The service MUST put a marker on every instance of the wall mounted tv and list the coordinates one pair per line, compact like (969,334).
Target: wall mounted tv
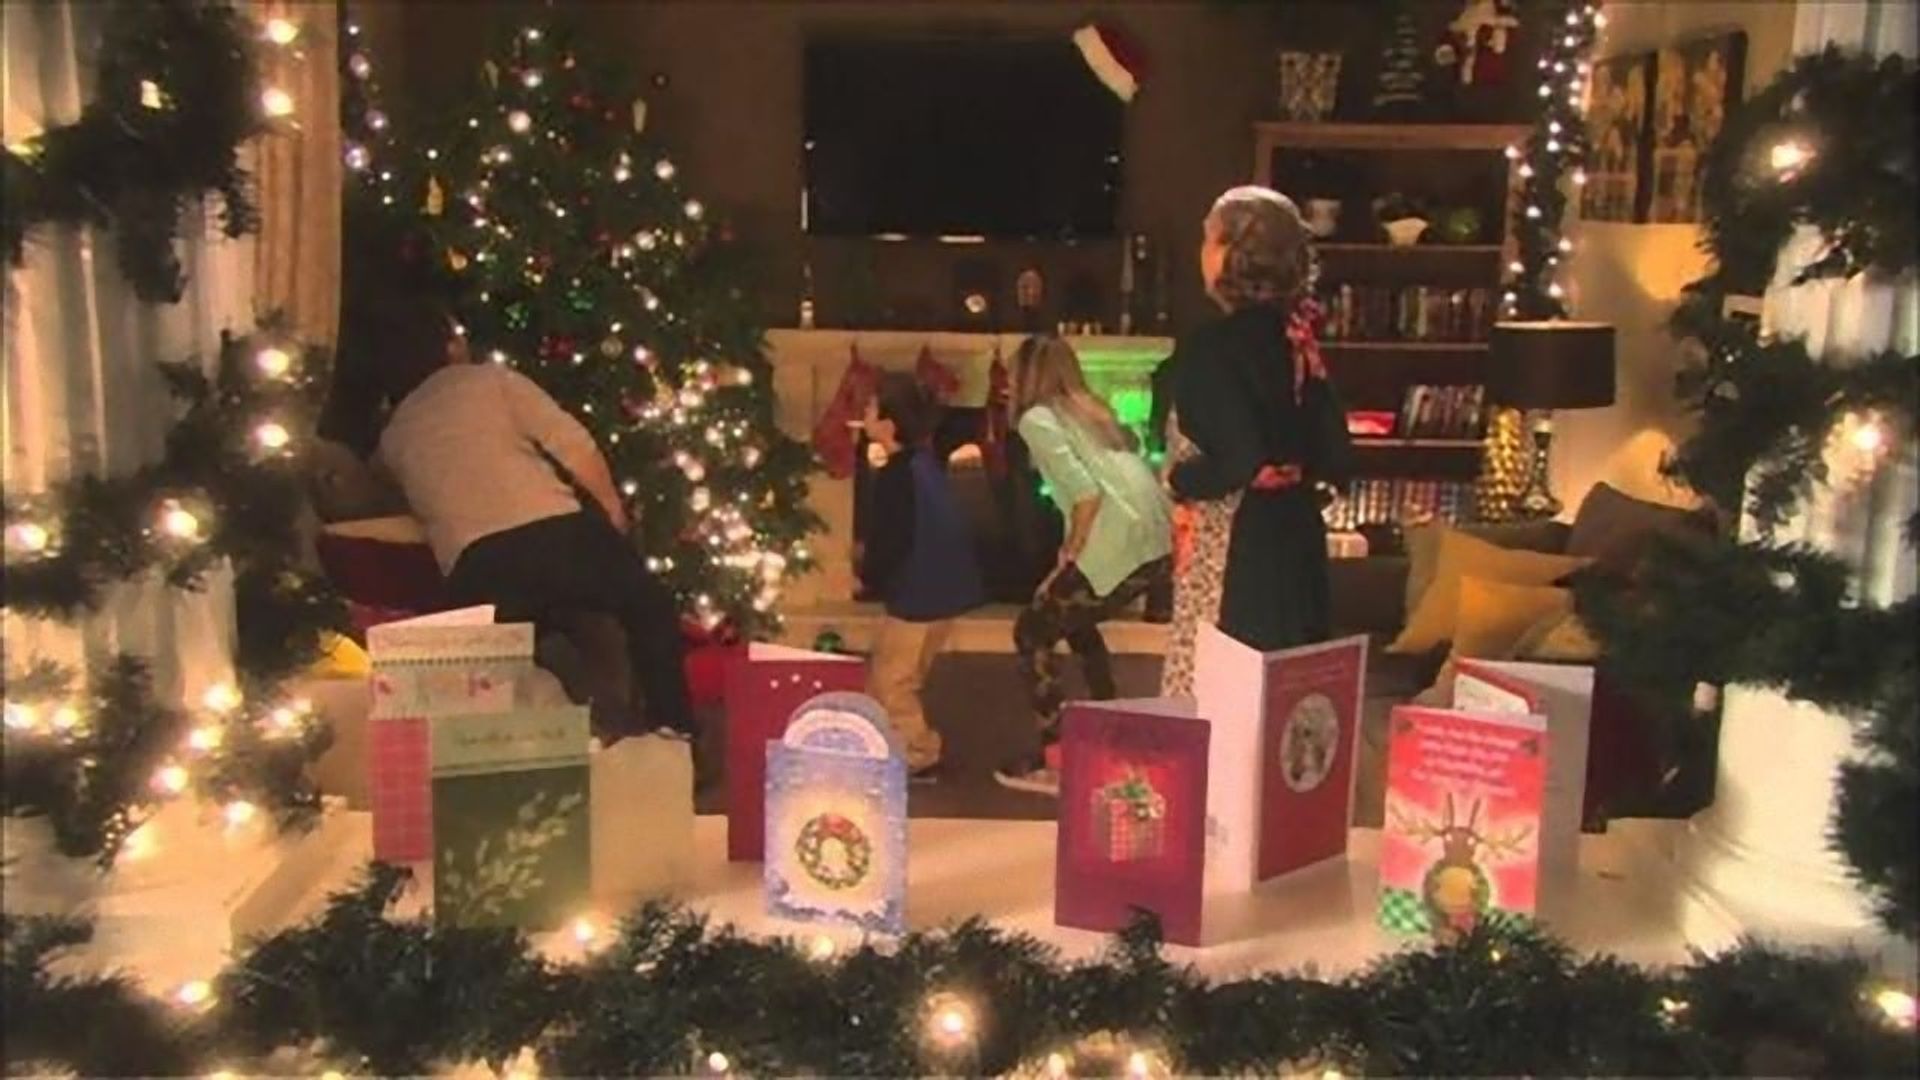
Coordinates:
(958,137)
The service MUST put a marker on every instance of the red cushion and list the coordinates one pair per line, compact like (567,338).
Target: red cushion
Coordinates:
(382,573)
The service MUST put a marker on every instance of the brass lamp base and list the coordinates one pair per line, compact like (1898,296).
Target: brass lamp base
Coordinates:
(1537,500)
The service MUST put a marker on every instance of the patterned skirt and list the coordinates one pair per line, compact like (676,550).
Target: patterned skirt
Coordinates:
(1201,533)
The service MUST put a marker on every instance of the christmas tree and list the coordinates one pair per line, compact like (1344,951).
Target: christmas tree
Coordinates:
(580,260)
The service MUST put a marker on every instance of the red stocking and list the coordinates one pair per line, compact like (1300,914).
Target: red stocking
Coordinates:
(833,437)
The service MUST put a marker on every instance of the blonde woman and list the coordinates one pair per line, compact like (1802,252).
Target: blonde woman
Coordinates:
(1255,423)
(1117,538)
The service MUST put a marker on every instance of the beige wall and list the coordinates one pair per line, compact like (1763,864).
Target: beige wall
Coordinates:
(1631,275)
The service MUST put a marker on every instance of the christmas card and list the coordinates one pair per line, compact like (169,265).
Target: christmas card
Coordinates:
(450,663)
(511,844)
(836,817)
(1133,816)
(1286,725)
(762,691)
(1563,694)
(1465,793)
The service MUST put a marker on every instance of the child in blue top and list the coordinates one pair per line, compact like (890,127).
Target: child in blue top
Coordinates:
(919,558)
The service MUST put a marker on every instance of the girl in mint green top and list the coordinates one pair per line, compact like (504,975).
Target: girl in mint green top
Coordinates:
(1118,537)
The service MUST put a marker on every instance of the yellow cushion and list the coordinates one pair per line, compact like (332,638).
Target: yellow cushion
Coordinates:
(1560,639)
(1430,624)
(342,659)
(1495,616)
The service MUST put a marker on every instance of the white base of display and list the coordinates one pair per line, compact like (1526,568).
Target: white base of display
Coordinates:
(189,891)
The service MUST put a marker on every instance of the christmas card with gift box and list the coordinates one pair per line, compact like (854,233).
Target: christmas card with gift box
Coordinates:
(511,844)
(1465,795)
(836,817)
(1286,725)
(451,663)
(1562,694)
(763,689)
(1133,812)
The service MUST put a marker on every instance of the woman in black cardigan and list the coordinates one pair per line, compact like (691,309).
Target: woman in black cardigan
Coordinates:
(1255,426)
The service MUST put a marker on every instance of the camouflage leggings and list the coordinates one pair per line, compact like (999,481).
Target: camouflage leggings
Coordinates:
(1068,610)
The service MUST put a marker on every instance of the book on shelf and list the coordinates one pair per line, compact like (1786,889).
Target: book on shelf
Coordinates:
(1443,412)
(1414,313)
(1400,502)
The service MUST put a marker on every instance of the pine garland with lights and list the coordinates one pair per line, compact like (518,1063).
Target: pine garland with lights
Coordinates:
(1555,155)
(228,488)
(1816,148)
(580,259)
(358,991)
(177,93)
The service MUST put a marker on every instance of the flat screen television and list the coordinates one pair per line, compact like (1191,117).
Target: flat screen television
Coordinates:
(928,138)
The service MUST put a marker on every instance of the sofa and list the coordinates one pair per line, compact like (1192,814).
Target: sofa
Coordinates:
(1636,765)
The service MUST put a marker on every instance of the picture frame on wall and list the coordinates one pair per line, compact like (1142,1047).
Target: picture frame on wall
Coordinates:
(1695,83)
(1619,139)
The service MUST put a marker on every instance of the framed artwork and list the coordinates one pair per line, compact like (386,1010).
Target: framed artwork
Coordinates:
(1695,83)
(1619,139)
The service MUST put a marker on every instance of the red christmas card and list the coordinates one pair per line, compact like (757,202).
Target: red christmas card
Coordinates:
(1285,730)
(1462,833)
(763,689)
(1563,694)
(1133,810)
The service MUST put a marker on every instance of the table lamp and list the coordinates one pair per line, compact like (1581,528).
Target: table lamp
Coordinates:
(1543,366)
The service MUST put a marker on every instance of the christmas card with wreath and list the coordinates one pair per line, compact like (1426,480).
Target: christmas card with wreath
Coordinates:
(762,691)
(1462,832)
(1286,726)
(836,817)
(511,843)
(451,663)
(1563,694)
(1133,816)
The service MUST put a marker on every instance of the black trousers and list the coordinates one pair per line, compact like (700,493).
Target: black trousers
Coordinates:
(552,571)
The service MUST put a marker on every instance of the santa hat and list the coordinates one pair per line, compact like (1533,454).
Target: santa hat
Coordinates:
(1114,57)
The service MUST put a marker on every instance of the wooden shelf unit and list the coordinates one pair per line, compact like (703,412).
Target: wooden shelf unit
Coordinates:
(1452,165)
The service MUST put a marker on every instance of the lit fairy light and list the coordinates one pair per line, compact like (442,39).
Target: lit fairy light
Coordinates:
(950,1020)
(1868,438)
(151,96)
(22,717)
(28,537)
(1896,1005)
(663,169)
(821,948)
(1788,157)
(519,122)
(359,65)
(170,779)
(694,210)
(178,522)
(717,1063)
(239,813)
(377,120)
(358,158)
(194,994)
(282,31)
(221,698)
(205,739)
(531,78)
(272,436)
(1139,1064)
(584,931)
(276,103)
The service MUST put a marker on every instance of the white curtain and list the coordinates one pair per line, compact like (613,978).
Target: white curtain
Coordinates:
(81,391)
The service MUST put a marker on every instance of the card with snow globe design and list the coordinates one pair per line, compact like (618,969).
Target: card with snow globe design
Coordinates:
(836,849)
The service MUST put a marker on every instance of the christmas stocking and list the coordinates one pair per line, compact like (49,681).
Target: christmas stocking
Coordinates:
(833,437)
(940,383)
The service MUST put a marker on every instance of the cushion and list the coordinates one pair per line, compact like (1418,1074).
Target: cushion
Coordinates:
(1423,546)
(1561,639)
(383,564)
(1431,623)
(1614,529)
(1494,616)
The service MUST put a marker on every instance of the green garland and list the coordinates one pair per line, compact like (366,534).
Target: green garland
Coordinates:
(1819,147)
(1555,151)
(174,101)
(359,991)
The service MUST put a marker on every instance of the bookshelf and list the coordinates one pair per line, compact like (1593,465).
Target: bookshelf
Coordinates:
(1407,325)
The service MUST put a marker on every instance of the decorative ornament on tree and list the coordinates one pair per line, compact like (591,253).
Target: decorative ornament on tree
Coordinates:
(830,641)
(1115,58)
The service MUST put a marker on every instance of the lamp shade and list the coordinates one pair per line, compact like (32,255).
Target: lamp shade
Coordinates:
(1555,364)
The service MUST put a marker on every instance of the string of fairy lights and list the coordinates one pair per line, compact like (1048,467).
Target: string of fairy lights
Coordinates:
(1554,157)
(47,711)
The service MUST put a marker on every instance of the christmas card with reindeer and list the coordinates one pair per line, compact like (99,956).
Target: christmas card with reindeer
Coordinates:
(451,663)
(511,818)
(836,816)
(762,691)
(1462,834)
(1133,813)
(1286,727)
(1563,695)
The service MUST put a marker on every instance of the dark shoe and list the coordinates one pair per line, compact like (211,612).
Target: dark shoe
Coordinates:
(1029,773)
(925,774)
(672,733)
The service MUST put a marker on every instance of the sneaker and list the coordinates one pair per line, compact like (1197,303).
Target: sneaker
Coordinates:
(925,774)
(673,734)
(1030,773)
